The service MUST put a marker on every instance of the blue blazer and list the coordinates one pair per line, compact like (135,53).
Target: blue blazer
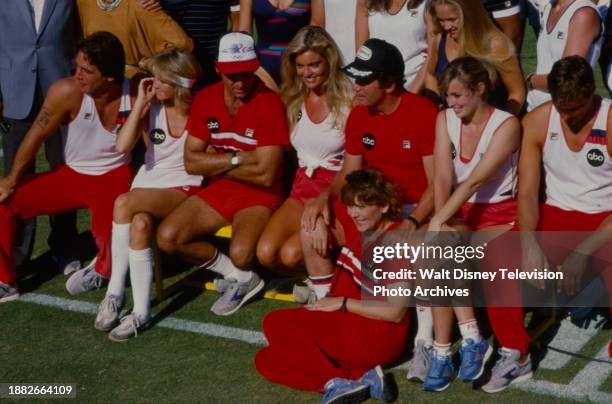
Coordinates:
(27,57)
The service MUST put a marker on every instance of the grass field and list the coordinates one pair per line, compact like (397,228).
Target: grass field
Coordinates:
(192,355)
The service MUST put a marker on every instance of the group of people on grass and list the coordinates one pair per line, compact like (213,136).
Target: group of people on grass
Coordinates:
(374,155)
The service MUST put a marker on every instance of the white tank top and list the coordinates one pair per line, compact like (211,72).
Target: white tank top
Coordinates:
(340,24)
(318,144)
(407,31)
(164,165)
(580,181)
(551,45)
(502,185)
(88,147)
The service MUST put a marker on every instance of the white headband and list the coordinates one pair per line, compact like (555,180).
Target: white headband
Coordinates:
(183,81)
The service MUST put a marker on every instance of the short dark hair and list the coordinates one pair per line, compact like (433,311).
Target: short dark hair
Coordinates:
(372,188)
(571,78)
(105,51)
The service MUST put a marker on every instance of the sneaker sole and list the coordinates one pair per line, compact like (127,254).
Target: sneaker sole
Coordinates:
(142,329)
(518,380)
(108,328)
(438,389)
(246,298)
(357,395)
(390,390)
(487,355)
(10,298)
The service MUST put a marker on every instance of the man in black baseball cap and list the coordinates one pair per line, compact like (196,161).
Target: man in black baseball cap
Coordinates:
(377,59)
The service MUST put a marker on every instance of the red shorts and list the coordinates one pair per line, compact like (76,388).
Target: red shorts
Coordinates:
(305,187)
(229,197)
(481,215)
(188,189)
(557,219)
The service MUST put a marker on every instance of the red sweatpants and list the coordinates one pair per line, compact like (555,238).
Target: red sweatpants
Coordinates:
(508,322)
(308,348)
(62,190)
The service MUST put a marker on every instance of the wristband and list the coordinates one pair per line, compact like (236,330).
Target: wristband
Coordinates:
(412,219)
(343,307)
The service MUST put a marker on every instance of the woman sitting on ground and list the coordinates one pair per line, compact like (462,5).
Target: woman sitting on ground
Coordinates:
(335,345)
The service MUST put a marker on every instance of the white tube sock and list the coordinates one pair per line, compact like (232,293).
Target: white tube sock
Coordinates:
(120,244)
(141,276)
(424,323)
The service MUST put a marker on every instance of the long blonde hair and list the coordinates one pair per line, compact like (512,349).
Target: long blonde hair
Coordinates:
(336,87)
(476,32)
(174,63)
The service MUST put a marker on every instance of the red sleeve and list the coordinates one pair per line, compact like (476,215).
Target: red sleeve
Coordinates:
(427,127)
(351,132)
(271,122)
(196,124)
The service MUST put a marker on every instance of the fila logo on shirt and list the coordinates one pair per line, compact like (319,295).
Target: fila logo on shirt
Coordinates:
(406,144)
(157,136)
(369,141)
(554,135)
(595,157)
(249,132)
(560,34)
(213,125)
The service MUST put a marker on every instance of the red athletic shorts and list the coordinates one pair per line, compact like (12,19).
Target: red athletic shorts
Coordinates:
(305,187)
(229,197)
(481,215)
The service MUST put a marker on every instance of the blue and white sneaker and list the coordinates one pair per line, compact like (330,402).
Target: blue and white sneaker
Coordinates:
(382,385)
(508,370)
(440,371)
(474,355)
(84,280)
(236,294)
(343,391)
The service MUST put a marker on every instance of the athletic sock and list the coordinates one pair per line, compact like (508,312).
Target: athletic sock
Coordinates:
(320,285)
(222,264)
(120,245)
(469,330)
(442,349)
(424,323)
(141,276)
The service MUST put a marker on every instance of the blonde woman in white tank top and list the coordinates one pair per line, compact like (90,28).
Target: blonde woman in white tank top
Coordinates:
(159,117)
(317,97)
(470,131)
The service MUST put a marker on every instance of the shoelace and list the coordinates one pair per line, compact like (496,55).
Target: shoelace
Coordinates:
(111,305)
(134,322)
(94,280)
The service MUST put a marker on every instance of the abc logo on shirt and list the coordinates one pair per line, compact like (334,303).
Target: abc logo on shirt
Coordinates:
(213,125)
(595,157)
(157,136)
(369,141)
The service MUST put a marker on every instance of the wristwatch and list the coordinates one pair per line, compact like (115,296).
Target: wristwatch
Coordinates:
(235,159)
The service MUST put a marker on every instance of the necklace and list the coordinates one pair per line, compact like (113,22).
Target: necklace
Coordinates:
(108,5)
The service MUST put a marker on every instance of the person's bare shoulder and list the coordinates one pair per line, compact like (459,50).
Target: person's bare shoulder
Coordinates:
(65,93)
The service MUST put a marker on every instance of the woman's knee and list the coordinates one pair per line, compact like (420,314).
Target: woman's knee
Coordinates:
(242,255)
(291,254)
(122,208)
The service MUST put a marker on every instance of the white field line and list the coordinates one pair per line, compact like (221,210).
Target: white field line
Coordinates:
(569,338)
(582,387)
(215,330)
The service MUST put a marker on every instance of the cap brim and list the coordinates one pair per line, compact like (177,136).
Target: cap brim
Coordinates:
(357,72)
(245,66)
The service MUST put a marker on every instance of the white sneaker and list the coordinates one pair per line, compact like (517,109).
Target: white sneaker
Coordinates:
(108,313)
(8,293)
(84,280)
(236,294)
(129,327)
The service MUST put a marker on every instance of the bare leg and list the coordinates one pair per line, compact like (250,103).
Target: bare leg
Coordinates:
(181,231)
(283,226)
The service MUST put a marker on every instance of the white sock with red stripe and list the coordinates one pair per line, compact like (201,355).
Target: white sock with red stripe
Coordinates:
(321,284)
(424,323)
(469,330)
(120,245)
(223,265)
(141,276)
